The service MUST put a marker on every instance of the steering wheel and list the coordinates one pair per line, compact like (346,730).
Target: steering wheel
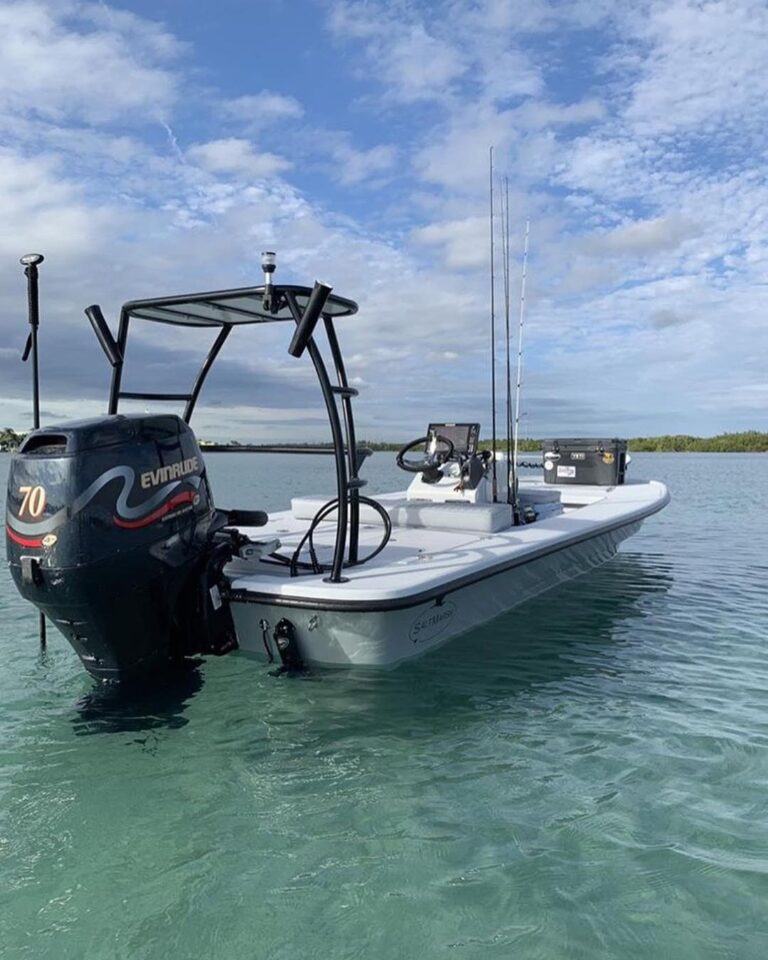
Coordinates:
(431,461)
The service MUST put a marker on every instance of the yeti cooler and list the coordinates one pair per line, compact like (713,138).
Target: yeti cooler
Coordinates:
(600,463)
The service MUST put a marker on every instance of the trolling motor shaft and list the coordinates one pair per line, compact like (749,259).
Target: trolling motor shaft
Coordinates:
(30,262)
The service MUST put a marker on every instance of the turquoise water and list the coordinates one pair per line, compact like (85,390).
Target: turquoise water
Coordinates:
(587,777)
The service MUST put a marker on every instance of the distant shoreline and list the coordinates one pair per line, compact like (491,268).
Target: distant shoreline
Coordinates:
(749,441)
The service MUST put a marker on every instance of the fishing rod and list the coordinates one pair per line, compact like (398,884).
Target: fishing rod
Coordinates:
(508,435)
(31,262)
(493,330)
(520,359)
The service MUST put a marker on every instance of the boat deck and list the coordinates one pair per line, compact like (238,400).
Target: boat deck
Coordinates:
(418,559)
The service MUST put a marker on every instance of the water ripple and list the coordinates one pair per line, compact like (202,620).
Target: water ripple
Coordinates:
(584,777)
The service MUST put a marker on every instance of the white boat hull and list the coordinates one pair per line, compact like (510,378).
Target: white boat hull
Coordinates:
(377,637)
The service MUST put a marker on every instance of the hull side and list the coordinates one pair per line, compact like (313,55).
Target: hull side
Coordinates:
(384,638)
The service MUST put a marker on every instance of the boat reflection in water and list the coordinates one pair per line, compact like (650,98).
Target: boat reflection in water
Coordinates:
(579,631)
(530,658)
(150,704)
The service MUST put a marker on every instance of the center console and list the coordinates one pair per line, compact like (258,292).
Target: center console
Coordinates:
(459,477)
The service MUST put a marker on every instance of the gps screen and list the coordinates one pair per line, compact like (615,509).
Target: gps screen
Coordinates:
(463,436)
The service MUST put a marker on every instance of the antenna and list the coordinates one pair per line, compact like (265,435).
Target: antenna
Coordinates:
(493,330)
(520,351)
(30,262)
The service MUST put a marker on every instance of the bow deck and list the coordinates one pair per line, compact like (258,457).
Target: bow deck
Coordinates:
(423,561)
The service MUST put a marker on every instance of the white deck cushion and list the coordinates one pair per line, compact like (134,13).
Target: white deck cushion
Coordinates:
(535,493)
(470,517)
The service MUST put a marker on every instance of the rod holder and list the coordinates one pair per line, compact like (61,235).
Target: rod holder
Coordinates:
(104,334)
(306,327)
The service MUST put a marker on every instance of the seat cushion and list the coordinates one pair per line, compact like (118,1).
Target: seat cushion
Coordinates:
(535,492)
(469,517)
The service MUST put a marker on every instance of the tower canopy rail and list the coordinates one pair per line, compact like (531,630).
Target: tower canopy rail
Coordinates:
(232,307)
(219,310)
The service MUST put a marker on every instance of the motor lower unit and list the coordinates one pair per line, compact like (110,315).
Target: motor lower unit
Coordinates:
(112,533)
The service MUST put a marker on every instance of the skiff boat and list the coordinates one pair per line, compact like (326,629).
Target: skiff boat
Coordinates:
(113,534)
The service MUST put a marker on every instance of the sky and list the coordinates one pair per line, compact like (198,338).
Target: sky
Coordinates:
(150,149)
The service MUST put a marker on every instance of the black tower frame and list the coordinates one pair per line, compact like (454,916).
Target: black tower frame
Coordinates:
(225,309)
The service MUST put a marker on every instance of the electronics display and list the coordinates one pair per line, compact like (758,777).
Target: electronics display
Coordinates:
(463,436)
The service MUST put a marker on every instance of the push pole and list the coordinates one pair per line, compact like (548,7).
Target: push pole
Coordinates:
(30,262)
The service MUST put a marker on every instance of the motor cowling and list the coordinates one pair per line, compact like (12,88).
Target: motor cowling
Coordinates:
(112,533)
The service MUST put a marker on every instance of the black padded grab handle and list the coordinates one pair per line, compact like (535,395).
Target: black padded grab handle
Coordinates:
(104,334)
(309,318)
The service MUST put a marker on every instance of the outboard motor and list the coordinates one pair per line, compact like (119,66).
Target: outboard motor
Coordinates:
(112,534)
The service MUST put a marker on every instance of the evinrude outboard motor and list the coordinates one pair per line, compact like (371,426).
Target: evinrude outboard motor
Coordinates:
(112,534)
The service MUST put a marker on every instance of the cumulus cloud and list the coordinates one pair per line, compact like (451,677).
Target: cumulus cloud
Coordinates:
(642,238)
(355,166)
(705,66)
(234,155)
(541,114)
(464,242)
(55,60)
(413,62)
(661,319)
(256,110)
(43,209)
